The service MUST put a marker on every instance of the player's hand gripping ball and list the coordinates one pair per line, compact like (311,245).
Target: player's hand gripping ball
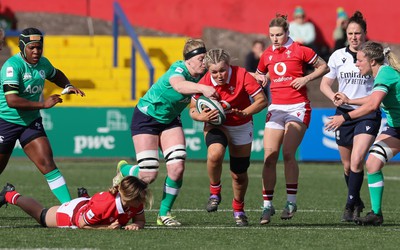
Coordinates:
(204,102)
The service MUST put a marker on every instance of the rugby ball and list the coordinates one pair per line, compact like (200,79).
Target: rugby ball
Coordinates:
(204,102)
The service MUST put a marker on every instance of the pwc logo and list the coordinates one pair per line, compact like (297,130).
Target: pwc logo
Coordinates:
(280,68)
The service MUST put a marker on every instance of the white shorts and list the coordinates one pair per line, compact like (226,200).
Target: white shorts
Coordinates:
(280,114)
(67,211)
(240,135)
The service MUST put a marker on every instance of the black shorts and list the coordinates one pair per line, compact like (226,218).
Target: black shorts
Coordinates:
(393,132)
(368,124)
(11,132)
(145,124)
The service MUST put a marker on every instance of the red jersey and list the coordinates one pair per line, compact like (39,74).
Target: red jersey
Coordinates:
(284,65)
(101,209)
(235,93)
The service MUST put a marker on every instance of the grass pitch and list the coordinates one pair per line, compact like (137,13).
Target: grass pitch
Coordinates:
(316,225)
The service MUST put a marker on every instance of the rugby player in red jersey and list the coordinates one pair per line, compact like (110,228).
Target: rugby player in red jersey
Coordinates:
(105,210)
(235,87)
(284,65)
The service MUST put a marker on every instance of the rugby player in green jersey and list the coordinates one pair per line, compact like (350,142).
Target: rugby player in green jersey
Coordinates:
(371,59)
(22,82)
(156,125)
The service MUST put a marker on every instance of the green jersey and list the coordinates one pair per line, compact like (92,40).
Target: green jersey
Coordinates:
(388,81)
(162,101)
(27,81)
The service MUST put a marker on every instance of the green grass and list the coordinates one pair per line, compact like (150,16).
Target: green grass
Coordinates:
(316,225)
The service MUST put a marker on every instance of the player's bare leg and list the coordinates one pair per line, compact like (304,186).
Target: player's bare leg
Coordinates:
(294,133)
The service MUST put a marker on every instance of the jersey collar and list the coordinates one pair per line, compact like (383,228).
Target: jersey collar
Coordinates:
(118,204)
(353,54)
(227,80)
(29,64)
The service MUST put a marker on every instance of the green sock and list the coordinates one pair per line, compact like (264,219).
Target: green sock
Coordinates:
(129,170)
(375,185)
(171,191)
(58,186)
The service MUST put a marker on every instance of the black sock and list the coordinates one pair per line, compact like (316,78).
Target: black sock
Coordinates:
(355,183)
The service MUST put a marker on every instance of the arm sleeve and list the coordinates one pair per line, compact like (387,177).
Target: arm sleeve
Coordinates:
(262,66)
(10,78)
(251,86)
(49,69)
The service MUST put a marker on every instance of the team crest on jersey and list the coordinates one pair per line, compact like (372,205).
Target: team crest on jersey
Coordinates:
(9,72)
(270,58)
(27,76)
(344,59)
(42,74)
(288,52)
(179,70)
(280,68)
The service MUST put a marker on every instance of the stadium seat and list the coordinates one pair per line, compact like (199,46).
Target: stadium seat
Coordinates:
(88,63)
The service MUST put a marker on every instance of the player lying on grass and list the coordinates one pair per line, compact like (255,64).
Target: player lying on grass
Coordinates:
(104,210)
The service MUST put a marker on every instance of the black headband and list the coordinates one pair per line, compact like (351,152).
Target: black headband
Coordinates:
(195,52)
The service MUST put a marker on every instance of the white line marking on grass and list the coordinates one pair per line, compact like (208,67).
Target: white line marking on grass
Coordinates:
(260,210)
(247,210)
(270,227)
(392,178)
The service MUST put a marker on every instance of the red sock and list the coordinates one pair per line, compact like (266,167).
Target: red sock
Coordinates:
(291,192)
(268,195)
(291,189)
(215,188)
(238,206)
(12,197)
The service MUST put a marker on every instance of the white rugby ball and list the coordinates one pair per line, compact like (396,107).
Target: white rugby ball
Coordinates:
(204,102)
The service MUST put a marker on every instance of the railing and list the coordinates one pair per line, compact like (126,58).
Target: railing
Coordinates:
(119,15)
(10,33)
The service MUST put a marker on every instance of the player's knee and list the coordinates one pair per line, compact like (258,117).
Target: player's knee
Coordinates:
(215,156)
(271,159)
(288,155)
(216,136)
(176,171)
(381,151)
(175,154)
(148,177)
(148,161)
(239,165)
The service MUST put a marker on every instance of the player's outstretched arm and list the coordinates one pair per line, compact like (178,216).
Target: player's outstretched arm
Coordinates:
(138,222)
(61,80)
